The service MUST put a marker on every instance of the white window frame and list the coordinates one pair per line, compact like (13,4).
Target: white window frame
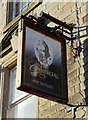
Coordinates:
(18,100)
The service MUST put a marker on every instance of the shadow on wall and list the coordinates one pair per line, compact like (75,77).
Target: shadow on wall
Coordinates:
(82,47)
(84,65)
(85,59)
(82,36)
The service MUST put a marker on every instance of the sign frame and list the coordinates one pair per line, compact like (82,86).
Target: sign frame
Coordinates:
(44,30)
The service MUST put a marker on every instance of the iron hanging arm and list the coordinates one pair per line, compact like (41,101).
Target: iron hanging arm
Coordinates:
(69,27)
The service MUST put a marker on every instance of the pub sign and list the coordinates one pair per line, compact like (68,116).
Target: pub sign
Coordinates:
(41,65)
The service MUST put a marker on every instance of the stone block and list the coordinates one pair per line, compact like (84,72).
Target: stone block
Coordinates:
(70,62)
(83,14)
(80,113)
(76,98)
(82,77)
(73,67)
(42,101)
(48,111)
(65,14)
(72,75)
(69,116)
(73,8)
(52,110)
(82,86)
(68,6)
(81,70)
(44,106)
(53,103)
(84,7)
(53,10)
(71,91)
(77,88)
(73,82)
(58,114)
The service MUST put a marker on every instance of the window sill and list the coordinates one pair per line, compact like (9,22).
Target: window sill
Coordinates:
(16,102)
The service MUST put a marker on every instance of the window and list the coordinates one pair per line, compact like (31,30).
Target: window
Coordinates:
(20,101)
(14,94)
(15,8)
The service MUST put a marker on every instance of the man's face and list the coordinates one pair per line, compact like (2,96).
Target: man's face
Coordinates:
(41,49)
(43,54)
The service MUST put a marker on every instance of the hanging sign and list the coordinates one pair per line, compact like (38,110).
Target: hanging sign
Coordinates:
(41,66)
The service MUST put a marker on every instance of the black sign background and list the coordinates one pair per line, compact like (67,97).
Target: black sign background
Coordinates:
(43,63)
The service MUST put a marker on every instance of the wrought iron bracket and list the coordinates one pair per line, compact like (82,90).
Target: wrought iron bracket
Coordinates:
(62,27)
(65,29)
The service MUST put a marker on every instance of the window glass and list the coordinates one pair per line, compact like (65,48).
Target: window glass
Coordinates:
(16,7)
(14,94)
(20,104)
(25,109)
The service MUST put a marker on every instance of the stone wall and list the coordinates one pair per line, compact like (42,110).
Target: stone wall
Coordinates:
(2,17)
(76,13)
(2,24)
